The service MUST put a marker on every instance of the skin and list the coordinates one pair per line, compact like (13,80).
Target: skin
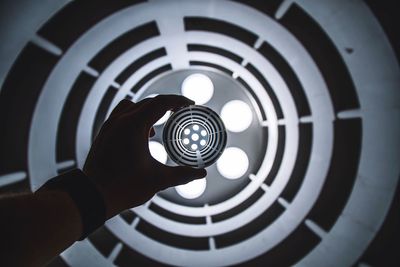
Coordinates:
(36,227)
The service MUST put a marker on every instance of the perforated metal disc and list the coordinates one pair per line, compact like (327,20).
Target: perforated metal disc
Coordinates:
(194,136)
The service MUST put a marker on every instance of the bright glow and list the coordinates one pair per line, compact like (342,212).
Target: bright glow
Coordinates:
(194,146)
(203,142)
(196,127)
(233,163)
(203,133)
(198,87)
(236,115)
(195,137)
(164,118)
(186,141)
(186,131)
(192,190)
(158,152)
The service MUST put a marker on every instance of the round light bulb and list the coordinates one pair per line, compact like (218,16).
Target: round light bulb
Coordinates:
(195,137)
(233,163)
(236,115)
(192,190)
(198,87)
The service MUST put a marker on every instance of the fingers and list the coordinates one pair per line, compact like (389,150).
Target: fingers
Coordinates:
(157,106)
(123,106)
(126,107)
(173,176)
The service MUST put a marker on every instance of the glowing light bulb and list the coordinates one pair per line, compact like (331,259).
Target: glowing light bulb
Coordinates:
(198,87)
(236,115)
(192,190)
(195,137)
(233,163)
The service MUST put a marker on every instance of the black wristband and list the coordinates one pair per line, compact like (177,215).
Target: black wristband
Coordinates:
(85,195)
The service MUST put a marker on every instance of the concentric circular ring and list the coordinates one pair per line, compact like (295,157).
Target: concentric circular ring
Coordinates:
(316,183)
(194,136)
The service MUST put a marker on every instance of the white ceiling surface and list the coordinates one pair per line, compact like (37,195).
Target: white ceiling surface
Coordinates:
(377,88)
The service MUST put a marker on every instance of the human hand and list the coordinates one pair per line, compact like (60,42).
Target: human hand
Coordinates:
(119,161)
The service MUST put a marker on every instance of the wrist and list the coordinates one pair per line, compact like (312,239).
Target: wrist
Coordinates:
(112,207)
(86,197)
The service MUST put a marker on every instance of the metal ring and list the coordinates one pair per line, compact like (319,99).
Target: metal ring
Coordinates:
(184,141)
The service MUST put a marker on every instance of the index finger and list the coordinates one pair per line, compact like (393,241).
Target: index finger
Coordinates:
(123,106)
(156,108)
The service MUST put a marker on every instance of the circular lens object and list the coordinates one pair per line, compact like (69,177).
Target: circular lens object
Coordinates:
(194,136)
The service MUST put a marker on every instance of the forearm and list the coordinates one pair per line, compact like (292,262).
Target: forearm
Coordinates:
(119,173)
(37,227)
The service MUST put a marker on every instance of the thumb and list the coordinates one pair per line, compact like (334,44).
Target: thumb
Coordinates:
(181,175)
